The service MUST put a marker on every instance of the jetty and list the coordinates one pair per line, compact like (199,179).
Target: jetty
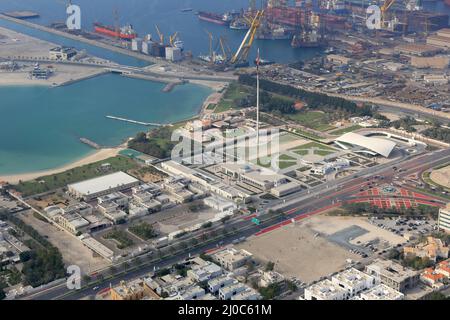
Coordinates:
(90,143)
(148,124)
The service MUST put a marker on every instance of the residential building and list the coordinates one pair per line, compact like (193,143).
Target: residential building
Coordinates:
(133,290)
(270,277)
(381,292)
(393,274)
(443,267)
(432,278)
(227,292)
(353,281)
(232,258)
(205,272)
(432,248)
(215,284)
(249,294)
(325,290)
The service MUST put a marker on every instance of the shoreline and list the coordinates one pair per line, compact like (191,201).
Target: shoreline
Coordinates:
(98,155)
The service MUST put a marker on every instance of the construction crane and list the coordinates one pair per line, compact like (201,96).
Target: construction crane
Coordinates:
(172,39)
(161,36)
(241,54)
(226,50)
(384,8)
(211,53)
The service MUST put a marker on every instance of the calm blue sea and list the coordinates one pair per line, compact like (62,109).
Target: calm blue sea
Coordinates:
(40,126)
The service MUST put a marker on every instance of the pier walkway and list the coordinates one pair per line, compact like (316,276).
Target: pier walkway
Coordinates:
(153,124)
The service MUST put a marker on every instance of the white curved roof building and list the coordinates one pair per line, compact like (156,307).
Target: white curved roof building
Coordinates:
(371,145)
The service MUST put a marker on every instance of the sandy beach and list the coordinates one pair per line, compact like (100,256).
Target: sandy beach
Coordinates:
(97,156)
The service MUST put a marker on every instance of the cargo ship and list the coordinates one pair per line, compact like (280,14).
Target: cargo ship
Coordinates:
(124,33)
(308,39)
(213,18)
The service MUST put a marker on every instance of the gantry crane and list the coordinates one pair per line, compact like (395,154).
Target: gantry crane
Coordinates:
(241,54)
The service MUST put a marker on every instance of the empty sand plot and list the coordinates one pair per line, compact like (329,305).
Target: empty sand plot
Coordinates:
(298,251)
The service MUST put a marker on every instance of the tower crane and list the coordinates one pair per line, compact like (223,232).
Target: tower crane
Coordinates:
(241,54)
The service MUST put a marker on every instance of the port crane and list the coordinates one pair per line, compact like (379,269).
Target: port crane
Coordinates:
(241,55)
(161,36)
(384,8)
(172,39)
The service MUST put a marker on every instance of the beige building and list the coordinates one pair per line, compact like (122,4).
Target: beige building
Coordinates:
(393,275)
(232,259)
(432,249)
(133,290)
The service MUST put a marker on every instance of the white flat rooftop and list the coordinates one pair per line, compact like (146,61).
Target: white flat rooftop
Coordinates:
(103,183)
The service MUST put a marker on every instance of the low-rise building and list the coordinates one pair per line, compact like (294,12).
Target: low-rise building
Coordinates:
(270,277)
(227,292)
(97,187)
(432,278)
(133,290)
(215,284)
(204,272)
(393,274)
(232,258)
(381,292)
(353,281)
(62,53)
(432,248)
(325,290)
(220,204)
(249,294)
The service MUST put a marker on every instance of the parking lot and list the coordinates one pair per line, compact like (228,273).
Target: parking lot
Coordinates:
(404,226)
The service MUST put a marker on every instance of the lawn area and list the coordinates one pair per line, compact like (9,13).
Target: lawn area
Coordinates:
(322,152)
(286,161)
(52,182)
(316,145)
(301,152)
(312,119)
(235,91)
(345,130)
(121,237)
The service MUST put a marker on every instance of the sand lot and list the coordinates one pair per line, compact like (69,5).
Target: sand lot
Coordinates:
(305,251)
(72,250)
(297,252)
(441,176)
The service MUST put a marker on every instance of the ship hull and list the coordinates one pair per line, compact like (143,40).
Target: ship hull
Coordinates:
(213,19)
(112,33)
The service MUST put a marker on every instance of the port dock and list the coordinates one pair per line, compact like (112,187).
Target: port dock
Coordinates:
(148,124)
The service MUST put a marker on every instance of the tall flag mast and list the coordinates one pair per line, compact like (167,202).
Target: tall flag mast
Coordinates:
(257,103)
